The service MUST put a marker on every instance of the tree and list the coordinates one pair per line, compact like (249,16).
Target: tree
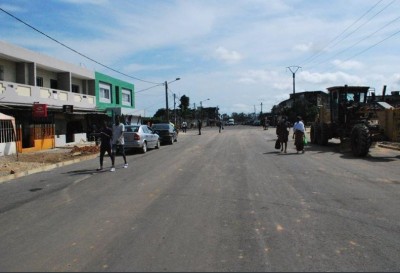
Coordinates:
(160,113)
(184,105)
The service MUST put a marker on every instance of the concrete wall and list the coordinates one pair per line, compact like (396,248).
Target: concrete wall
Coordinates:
(60,140)
(7,148)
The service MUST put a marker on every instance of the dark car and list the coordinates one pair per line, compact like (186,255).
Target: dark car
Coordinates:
(166,132)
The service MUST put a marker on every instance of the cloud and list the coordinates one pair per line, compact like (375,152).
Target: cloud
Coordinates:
(11,8)
(346,65)
(257,76)
(327,79)
(303,47)
(228,56)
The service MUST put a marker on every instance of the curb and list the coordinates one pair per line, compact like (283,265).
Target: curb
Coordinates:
(46,168)
(389,147)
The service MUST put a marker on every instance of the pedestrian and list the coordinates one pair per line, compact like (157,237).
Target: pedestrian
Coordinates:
(105,145)
(219,123)
(299,134)
(199,124)
(118,140)
(282,131)
(184,126)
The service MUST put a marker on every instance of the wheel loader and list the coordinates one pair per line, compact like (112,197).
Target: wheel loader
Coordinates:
(349,117)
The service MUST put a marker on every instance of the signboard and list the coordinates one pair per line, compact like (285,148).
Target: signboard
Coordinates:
(68,109)
(39,110)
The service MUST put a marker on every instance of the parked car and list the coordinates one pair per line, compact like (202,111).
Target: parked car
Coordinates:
(167,132)
(140,137)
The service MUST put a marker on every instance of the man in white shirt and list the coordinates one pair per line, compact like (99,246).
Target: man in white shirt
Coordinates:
(118,140)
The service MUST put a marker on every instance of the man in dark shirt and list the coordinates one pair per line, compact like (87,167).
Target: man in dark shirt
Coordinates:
(105,146)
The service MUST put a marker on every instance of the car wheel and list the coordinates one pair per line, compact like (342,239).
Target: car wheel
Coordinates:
(144,148)
(171,141)
(158,145)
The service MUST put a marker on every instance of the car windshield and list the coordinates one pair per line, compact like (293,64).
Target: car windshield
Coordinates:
(160,126)
(131,128)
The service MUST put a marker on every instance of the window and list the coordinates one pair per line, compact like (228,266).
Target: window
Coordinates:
(1,73)
(117,100)
(6,131)
(39,81)
(53,84)
(105,93)
(126,97)
(75,88)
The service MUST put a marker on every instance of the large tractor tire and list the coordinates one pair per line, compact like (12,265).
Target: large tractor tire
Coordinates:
(318,133)
(360,140)
(324,134)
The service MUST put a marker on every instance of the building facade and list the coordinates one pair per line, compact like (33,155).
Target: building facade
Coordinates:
(54,103)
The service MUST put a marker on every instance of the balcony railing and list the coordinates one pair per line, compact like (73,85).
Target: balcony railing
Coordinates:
(20,93)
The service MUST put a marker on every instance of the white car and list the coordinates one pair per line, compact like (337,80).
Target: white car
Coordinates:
(230,122)
(140,137)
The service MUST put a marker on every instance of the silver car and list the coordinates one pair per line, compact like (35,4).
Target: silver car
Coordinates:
(140,137)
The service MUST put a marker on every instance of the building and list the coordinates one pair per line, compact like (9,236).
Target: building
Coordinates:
(55,103)
(303,101)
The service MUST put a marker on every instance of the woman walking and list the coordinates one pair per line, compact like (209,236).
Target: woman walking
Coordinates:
(298,135)
(282,131)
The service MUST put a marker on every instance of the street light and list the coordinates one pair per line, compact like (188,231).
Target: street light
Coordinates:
(166,97)
(201,108)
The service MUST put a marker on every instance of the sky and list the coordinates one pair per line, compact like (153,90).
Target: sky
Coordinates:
(239,55)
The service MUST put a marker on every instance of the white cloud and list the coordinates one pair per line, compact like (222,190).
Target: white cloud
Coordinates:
(303,47)
(347,65)
(228,56)
(328,79)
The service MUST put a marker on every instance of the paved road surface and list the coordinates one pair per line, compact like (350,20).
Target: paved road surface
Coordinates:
(215,202)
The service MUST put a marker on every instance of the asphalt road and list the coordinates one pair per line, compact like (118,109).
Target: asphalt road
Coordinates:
(215,202)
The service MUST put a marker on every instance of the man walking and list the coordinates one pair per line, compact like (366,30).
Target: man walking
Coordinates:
(219,123)
(199,123)
(118,140)
(105,145)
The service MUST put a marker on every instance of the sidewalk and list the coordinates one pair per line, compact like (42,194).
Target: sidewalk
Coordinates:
(18,165)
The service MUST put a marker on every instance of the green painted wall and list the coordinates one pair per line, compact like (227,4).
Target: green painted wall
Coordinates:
(115,85)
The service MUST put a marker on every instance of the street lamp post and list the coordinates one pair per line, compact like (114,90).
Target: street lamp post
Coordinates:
(201,108)
(166,97)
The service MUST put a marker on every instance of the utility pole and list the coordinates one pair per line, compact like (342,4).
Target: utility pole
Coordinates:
(294,69)
(166,98)
(261,108)
(174,109)
(166,102)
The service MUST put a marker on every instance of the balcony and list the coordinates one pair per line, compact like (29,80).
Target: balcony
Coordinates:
(11,92)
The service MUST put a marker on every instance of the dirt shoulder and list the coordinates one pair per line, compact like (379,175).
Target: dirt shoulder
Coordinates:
(23,162)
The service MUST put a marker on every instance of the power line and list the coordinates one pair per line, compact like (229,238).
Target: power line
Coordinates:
(372,46)
(309,59)
(363,39)
(77,52)
(148,88)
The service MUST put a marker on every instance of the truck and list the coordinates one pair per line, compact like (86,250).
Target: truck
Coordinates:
(349,117)
(230,122)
